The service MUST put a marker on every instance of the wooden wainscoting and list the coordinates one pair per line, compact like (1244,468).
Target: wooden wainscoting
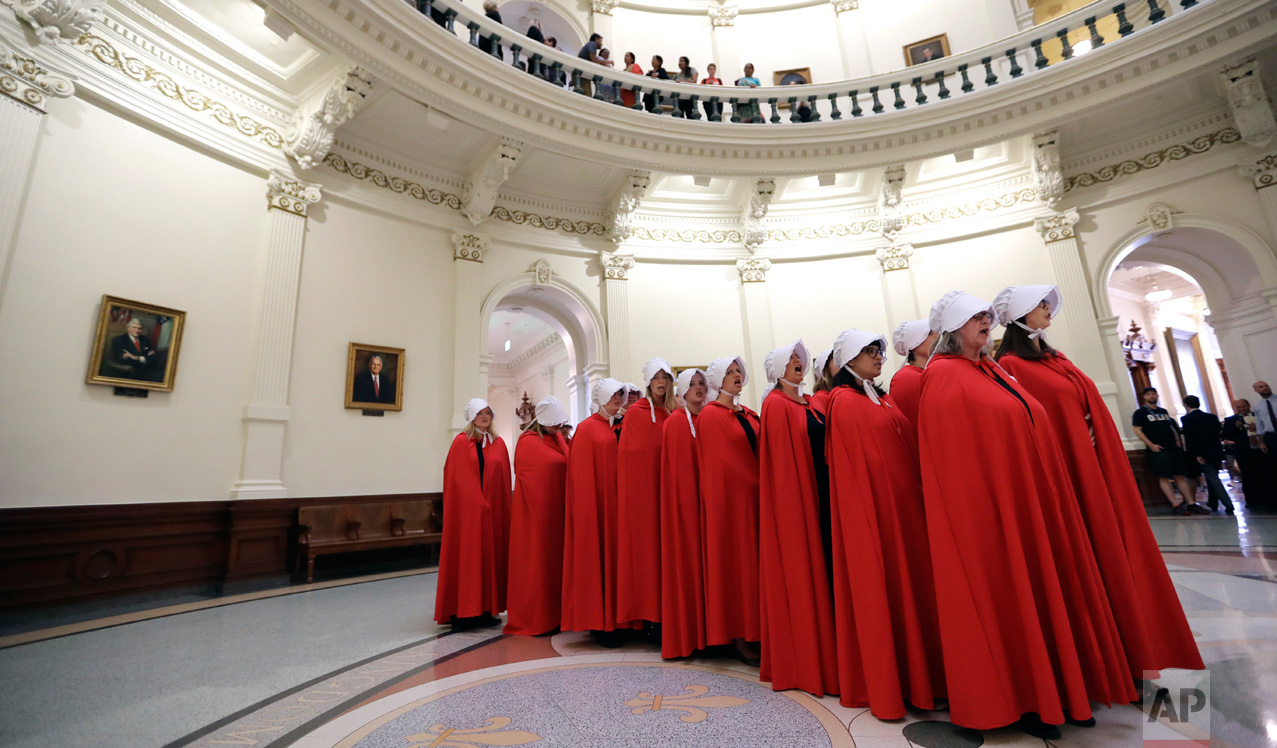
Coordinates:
(64,553)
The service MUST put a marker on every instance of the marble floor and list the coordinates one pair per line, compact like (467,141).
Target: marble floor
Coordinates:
(358,662)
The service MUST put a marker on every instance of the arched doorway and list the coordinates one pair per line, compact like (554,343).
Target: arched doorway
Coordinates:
(528,361)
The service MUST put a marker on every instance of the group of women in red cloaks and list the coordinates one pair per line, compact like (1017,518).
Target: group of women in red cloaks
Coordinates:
(974,537)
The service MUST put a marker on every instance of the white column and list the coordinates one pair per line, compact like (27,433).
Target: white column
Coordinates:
(601,22)
(469,359)
(851,39)
(726,51)
(759,339)
(1123,404)
(898,291)
(1088,352)
(266,415)
(26,86)
(578,397)
(616,300)
(1263,175)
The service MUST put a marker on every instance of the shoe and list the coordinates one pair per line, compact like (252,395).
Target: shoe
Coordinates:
(1032,724)
(608,639)
(1180,511)
(1230,512)
(1088,722)
(1197,509)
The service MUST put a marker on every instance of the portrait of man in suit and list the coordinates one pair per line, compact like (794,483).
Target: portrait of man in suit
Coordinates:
(136,345)
(371,386)
(132,355)
(374,377)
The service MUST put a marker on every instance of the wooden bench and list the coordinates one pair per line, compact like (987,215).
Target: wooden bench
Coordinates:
(342,528)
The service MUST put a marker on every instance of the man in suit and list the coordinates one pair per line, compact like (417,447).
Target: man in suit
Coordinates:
(1242,441)
(371,386)
(1203,445)
(132,356)
(1266,430)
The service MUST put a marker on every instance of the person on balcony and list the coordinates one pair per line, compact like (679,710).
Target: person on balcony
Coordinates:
(630,66)
(686,74)
(557,77)
(606,90)
(652,102)
(436,15)
(485,44)
(711,79)
(749,111)
(590,52)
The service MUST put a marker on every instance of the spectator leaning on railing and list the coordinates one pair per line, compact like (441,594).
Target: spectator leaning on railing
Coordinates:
(652,102)
(749,112)
(711,79)
(485,44)
(686,74)
(631,66)
(590,52)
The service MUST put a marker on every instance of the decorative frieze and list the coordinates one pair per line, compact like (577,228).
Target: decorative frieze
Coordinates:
(627,202)
(894,257)
(283,192)
(470,247)
(315,125)
(754,232)
(723,15)
(1048,178)
(1153,159)
(53,21)
(890,220)
(616,266)
(494,169)
(1057,227)
(1252,112)
(29,81)
(753,269)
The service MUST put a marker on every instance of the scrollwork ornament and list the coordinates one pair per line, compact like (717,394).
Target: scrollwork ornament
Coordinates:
(542,273)
(616,266)
(1154,159)
(30,82)
(283,192)
(53,21)
(842,6)
(315,126)
(1057,227)
(469,247)
(723,15)
(604,7)
(895,257)
(1263,173)
(753,269)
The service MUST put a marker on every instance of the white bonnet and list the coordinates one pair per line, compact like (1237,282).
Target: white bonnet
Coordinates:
(822,360)
(954,309)
(776,362)
(685,379)
(473,407)
(653,366)
(909,335)
(1013,302)
(603,391)
(851,342)
(550,412)
(718,369)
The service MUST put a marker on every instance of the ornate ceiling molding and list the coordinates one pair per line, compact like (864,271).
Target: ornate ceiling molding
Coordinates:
(1252,111)
(1048,179)
(492,171)
(890,222)
(1152,160)
(621,227)
(754,215)
(315,124)
(53,21)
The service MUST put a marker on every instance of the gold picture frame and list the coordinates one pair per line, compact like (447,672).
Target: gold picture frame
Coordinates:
(383,393)
(136,345)
(939,46)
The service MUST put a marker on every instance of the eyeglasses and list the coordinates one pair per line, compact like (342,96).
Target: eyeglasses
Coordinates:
(873,352)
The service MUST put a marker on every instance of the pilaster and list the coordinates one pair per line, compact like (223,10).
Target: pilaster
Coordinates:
(757,319)
(470,371)
(898,290)
(616,300)
(723,41)
(266,415)
(1122,403)
(601,19)
(851,39)
(1263,175)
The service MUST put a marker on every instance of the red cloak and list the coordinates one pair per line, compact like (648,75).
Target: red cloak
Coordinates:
(589,534)
(536,534)
(471,566)
(884,594)
(1024,623)
(819,401)
(682,581)
(797,609)
(1149,615)
(906,388)
(729,524)
(638,502)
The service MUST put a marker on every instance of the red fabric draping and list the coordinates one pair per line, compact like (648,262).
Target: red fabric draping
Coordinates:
(884,594)
(682,580)
(1024,622)
(1155,632)
(820,401)
(589,536)
(638,499)
(906,388)
(729,524)
(471,561)
(536,534)
(798,648)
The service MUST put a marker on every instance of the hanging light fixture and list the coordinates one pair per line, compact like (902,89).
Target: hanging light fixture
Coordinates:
(507,337)
(1157,295)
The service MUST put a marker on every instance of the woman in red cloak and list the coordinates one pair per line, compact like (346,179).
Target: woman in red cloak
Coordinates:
(682,568)
(1155,632)
(638,499)
(536,522)
(589,534)
(884,595)
(798,649)
(913,340)
(824,377)
(476,493)
(727,450)
(1027,633)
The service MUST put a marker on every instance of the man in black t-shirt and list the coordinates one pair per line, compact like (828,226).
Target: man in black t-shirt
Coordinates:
(1155,427)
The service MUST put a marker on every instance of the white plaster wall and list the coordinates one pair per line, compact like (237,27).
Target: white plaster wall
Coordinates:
(646,34)
(114,208)
(816,301)
(688,315)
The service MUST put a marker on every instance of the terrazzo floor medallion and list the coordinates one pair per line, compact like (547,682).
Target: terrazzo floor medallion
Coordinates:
(558,703)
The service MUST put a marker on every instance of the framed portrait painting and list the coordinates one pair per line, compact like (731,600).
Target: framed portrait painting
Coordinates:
(374,377)
(927,50)
(136,345)
(795,77)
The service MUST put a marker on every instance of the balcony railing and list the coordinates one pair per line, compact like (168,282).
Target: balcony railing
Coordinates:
(1040,48)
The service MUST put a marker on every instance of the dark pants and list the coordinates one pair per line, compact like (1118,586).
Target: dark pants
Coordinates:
(1250,466)
(1215,490)
(712,109)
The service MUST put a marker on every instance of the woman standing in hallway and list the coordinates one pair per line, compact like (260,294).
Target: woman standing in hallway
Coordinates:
(638,499)
(1149,615)
(589,535)
(824,381)
(682,568)
(536,523)
(793,506)
(1026,631)
(884,594)
(476,500)
(727,450)
(913,340)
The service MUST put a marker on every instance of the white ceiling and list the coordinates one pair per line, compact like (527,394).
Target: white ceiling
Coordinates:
(524,332)
(1140,278)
